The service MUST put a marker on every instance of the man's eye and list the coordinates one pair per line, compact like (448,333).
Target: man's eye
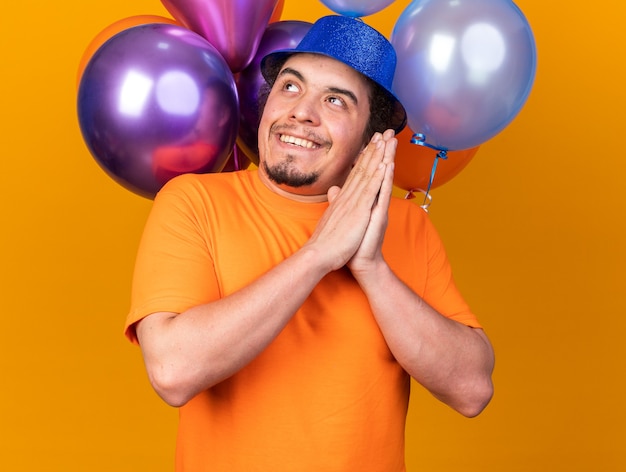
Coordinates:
(336,101)
(290,87)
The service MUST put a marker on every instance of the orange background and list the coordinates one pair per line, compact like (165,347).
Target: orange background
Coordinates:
(534,226)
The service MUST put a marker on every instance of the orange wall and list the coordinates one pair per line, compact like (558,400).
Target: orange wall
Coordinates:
(534,226)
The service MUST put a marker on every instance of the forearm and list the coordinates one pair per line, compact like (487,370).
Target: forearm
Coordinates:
(192,351)
(453,361)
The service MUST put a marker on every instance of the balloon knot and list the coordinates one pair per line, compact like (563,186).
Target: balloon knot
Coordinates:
(442,153)
(420,139)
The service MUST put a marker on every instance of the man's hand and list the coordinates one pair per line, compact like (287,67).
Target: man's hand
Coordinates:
(369,252)
(362,201)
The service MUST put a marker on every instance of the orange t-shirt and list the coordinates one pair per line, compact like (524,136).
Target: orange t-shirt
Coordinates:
(326,394)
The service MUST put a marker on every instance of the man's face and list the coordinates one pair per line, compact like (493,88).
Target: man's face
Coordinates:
(311,130)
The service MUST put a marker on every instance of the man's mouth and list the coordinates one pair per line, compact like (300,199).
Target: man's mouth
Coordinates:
(305,143)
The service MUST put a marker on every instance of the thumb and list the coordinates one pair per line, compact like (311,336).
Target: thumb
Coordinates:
(332,193)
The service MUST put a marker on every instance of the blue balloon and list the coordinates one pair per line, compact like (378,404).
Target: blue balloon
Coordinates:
(156,101)
(465,68)
(357,8)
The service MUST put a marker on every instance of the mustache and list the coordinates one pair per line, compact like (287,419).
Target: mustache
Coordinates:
(301,132)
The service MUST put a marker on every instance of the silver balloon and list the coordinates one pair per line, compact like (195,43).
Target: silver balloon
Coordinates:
(357,8)
(465,68)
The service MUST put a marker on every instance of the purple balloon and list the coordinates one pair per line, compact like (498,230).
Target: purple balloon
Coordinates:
(156,101)
(234,27)
(357,8)
(465,68)
(236,161)
(278,35)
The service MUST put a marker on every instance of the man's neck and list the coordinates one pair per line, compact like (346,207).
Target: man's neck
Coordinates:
(292,195)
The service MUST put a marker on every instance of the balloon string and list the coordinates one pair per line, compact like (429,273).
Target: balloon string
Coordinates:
(420,139)
(424,206)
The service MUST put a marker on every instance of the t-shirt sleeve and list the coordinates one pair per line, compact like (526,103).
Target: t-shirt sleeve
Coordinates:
(174,267)
(441,291)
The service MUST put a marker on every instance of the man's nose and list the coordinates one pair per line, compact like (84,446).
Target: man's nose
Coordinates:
(305,110)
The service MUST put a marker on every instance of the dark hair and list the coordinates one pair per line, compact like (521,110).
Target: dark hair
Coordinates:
(382,111)
(264,92)
(382,108)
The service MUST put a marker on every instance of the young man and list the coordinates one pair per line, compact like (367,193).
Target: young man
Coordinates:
(285,309)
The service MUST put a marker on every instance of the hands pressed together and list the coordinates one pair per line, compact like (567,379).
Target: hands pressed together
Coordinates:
(352,230)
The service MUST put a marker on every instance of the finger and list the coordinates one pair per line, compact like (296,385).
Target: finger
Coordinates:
(386,188)
(371,156)
(366,155)
(391,145)
(332,193)
(388,134)
(366,170)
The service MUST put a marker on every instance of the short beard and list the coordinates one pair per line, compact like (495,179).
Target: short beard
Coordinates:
(284,174)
